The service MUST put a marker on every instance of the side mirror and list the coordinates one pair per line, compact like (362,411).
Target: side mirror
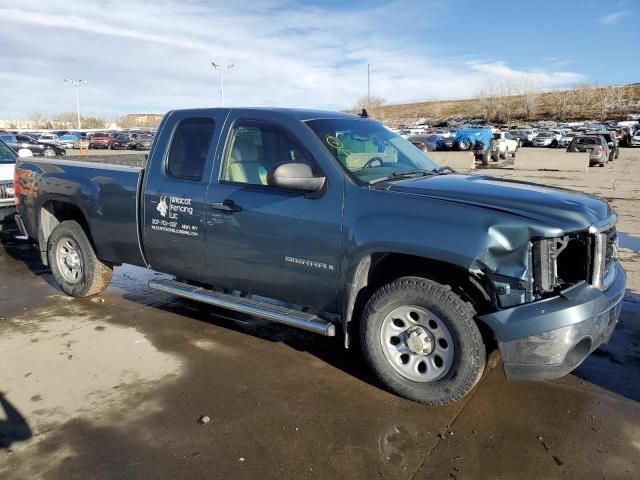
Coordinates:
(25,152)
(296,176)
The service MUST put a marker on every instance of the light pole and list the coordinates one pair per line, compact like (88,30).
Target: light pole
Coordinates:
(220,69)
(368,84)
(76,84)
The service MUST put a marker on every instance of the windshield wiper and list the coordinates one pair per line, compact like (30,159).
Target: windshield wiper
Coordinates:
(411,173)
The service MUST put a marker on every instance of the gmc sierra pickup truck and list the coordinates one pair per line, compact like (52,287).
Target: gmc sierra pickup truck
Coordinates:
(332,223)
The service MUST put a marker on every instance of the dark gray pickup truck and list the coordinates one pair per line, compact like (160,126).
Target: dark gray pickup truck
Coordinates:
(332,223)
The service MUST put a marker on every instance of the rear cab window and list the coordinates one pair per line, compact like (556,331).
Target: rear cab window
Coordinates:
(189,149)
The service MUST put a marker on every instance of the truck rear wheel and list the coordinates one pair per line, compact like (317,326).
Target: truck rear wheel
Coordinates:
(422,342)
(74,263)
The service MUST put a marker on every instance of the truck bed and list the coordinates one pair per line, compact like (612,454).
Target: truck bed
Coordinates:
(105,193)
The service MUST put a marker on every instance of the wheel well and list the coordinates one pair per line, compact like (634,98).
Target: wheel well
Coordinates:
(387,267)
(52,213)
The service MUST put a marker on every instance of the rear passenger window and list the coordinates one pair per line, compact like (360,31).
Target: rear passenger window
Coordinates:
(189,148)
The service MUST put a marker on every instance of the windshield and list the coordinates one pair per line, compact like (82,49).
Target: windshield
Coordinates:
(367,150)
(544,134)
(6,154)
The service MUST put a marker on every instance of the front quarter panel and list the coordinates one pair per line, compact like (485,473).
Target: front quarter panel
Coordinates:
(478,239)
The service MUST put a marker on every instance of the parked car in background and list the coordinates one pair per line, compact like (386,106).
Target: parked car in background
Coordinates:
(429,143)
(49,138)
(70,140)
(612,142)
(477,140)
(504,144)
(121,142)
(8,158)
(17,142)
(140,141)
(7,200)
(101,140)
(545,138)
(527,136)
(634,139)
(565,140)
(595,145)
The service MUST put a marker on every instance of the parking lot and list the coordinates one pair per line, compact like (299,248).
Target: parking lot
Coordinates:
(137,384)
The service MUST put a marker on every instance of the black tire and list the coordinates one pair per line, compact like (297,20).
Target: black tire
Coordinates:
(485,158)
(465,144)
(469,356)
(513,154)
(48,152)
(95,275)
(494,156)
(504,155)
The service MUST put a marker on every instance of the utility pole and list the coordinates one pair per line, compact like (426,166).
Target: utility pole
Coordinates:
(368,84)
(76,84)
(221,69)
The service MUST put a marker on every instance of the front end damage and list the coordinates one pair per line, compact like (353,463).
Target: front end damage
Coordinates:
(562,306)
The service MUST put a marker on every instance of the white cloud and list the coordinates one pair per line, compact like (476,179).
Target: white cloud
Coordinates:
(613,18)
(500,71)
(156,56)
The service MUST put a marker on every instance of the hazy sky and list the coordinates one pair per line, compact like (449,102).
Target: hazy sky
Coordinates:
(140,56)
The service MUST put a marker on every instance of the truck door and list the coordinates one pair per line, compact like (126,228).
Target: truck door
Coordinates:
(270,241)
(174,197)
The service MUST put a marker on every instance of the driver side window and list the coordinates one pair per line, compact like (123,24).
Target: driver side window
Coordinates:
(257,148)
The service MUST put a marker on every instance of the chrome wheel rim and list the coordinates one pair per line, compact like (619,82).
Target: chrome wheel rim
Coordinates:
(69,260)
(49,153)
(417,343)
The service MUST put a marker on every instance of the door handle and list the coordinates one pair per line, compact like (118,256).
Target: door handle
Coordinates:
(227,205)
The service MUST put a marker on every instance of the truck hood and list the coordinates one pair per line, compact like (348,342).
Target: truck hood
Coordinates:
(6,171)
(563,209)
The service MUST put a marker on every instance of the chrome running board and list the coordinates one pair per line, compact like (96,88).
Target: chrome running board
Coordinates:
(275,313)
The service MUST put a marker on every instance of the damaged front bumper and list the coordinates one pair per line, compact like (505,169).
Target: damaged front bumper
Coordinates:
(549,338)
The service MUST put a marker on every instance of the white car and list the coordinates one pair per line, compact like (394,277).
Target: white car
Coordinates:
(546,138)
(7,193)
(503,144)
(634,140)
(528,135)
(565,140)
(49,138)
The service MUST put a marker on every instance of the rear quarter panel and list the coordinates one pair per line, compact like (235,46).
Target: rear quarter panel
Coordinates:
(106,195)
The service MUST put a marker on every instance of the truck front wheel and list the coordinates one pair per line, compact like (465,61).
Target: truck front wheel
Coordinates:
(485,158)
(422,342)
(74,263)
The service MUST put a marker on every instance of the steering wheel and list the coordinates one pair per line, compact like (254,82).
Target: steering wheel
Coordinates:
(369,163)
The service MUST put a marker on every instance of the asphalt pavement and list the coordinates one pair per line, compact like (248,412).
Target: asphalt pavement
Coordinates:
(135,384)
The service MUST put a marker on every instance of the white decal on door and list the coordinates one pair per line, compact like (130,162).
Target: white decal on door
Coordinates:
(162,206)
(172,207)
